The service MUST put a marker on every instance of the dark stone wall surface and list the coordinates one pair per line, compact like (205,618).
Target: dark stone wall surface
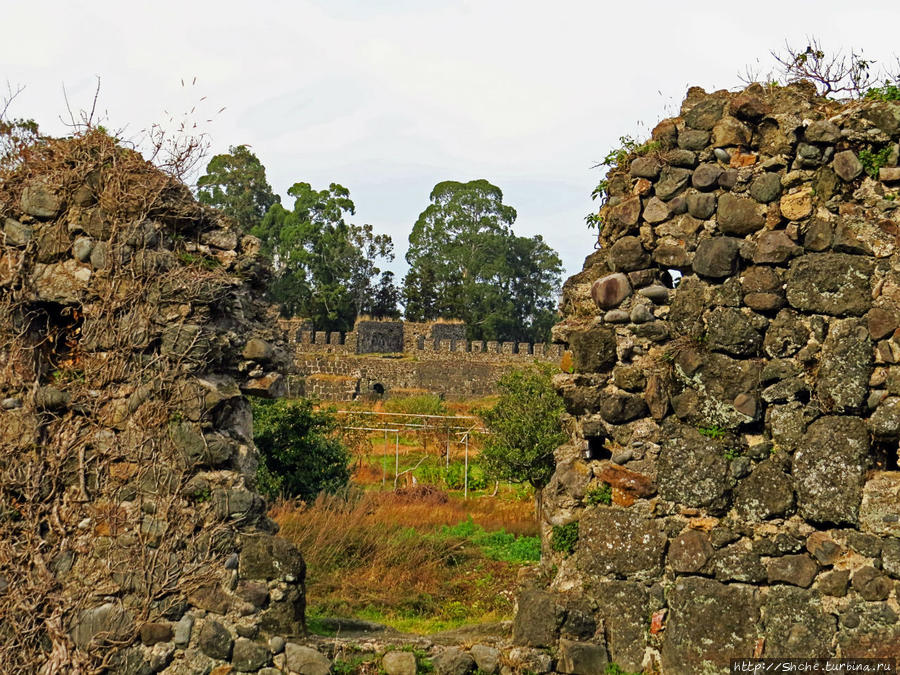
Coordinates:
(733,463)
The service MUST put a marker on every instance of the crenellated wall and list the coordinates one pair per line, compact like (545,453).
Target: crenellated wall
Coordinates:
(385,357)
(731,486)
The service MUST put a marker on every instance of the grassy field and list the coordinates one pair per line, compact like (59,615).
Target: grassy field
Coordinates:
(418,557)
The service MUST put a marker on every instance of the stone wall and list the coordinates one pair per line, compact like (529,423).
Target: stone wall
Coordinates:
(132,324)
(394,358)
(731,484)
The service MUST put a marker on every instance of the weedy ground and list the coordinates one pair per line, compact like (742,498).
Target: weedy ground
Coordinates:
(419,558)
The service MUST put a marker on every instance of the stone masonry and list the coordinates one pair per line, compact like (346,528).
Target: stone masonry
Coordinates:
(732,471)
(391,358)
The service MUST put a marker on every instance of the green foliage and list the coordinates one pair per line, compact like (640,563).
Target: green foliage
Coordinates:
(732,453)
(602,494)
(299,454)
(712,431)
(325,266)
(616,157)
(873,160)
(467,263)
(613,669)
(499,545)
(888,92)
(564,537)
(525,428)
(236,184)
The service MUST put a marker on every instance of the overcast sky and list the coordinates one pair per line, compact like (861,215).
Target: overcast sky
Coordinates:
(390,97)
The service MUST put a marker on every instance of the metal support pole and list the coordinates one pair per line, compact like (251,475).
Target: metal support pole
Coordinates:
(396,455)
(384,462)
(466,474)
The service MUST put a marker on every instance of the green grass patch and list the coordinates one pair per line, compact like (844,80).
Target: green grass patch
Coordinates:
(499,545)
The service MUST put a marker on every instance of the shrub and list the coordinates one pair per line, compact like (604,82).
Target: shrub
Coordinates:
(525,429)
(564,538)
(602,494)
(299,455)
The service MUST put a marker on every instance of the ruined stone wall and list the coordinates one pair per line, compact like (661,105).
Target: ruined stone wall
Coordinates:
(131,327)
(731,486)
(421,359)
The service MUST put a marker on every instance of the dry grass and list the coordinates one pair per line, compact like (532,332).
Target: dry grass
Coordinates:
(382,556)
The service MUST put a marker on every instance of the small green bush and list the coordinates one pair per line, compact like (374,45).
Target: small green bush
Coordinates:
(889,92)
(499,545)
(299,455)
(564,538)
(872,160)
(712,431)
(602,494)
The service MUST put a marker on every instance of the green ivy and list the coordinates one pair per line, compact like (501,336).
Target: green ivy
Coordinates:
(872,161)
(602,494)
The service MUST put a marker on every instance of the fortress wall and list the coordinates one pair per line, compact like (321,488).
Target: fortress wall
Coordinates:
(731,485)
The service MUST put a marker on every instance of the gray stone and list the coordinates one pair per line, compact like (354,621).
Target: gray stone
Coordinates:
(830,283)
(786,335)
(716,257)
(829,469)
(709,624)
(400,663)
(889,174)
(684,158)
(705,114)
(276,644)
(82,249)
(880,510)
(732,331)
(182,630)
(248,656)
(656,211)
(453,661)
(621,543)
(692,468)
(701,205)
(106,622)
(693,139)
(890,556)
(797,626)
(215,640)
(823,131)
(187,341)
(628,254)
(270,557)
(64,283)
(774,247)
(160,656)
(834,583)
(871,584)
(766,493)
(593,350)
(739,215)
(738,562)
(623,607)
(621,407)
(766,187)
(671,181)
(617,316)
(847,165)
(538,620)
(730,131)
(689,552)
(40,201)
(487,658)
(845,366)
(221,239)
(305,660)
(645,167)
(706,176)
(16,233)
(581,658)
(819,235)
(885,421)
(611,290)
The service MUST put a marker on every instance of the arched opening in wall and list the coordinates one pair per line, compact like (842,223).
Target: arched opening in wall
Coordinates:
(596,449)
(60,328)
(378,389)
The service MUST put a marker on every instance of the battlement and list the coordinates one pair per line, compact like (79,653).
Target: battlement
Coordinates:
(423,340)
